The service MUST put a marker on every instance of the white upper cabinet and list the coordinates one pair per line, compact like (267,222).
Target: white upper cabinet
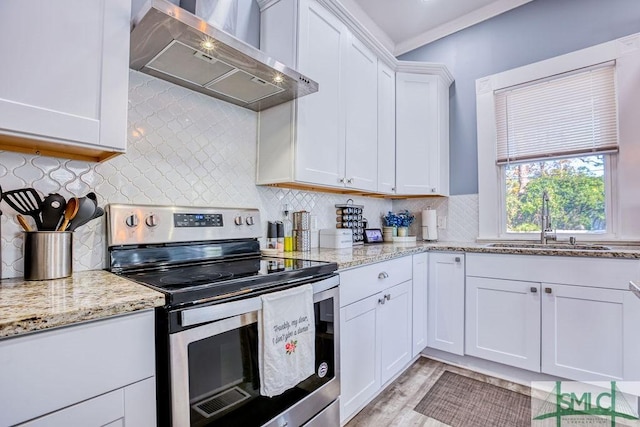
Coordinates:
(328,138)
(320,143)
(64,77)
(347,136)
(361,100)
(386,129)
(422,134)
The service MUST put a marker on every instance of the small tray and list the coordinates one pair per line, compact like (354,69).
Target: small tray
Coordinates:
(404,239)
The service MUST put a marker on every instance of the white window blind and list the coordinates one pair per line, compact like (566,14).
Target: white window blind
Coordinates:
(563,116)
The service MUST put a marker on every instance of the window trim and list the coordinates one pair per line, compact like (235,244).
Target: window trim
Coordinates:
(623,200)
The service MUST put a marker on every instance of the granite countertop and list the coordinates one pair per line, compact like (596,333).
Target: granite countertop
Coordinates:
(366,254)
(28,306)
(89,295)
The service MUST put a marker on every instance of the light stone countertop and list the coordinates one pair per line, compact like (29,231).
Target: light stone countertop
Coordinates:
(371,253)
(29,306)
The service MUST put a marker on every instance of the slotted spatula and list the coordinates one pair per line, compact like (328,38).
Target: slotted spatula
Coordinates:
(25,201)
(52,211)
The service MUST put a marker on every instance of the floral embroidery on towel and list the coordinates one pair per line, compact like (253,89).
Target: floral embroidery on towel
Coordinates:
(290,347)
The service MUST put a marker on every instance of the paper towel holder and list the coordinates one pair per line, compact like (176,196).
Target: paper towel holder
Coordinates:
(429,225)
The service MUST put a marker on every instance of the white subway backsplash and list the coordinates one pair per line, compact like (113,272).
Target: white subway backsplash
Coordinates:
(185,148)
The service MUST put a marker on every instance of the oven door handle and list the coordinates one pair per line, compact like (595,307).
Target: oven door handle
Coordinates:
(199,315)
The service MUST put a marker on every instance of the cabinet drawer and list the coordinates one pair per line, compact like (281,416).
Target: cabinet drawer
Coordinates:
(45,371)
(594,272)
(361,282)
(100,411)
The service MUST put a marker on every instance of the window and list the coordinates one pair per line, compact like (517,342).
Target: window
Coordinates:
(553,135)
(581,145)
(576,188)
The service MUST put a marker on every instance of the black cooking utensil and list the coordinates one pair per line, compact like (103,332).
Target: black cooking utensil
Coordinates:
(86,210)
(25,201)
(52,211)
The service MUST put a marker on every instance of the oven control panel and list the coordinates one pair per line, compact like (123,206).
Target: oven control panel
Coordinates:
(147,224)
(197,220)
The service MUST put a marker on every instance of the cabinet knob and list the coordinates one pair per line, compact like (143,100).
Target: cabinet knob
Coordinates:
(383,275)
(393,188)
(457,259)
(341,180)
(534,290)
(433,190)
(350,181)
(548,290)
(381,300)
(387,297)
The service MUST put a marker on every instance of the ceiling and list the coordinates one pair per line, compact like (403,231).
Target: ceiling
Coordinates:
(404,25)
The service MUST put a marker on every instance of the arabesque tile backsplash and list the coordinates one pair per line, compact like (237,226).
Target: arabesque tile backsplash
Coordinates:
(185,148)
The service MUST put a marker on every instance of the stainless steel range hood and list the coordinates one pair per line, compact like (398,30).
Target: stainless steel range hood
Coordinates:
(174,45)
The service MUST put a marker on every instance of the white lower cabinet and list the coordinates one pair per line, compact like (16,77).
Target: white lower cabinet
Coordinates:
(395,321)
(445,329)
(588,333)
(420,302)
(125,407)
(94,374)
(375,330)
(573,331)
(503,321)
(359,354)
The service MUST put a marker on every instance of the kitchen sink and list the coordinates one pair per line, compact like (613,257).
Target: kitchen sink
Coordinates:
(549,246)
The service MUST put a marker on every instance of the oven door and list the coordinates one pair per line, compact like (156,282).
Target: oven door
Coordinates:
(215,370)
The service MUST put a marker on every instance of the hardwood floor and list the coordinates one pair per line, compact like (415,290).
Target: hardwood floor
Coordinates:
(394,406)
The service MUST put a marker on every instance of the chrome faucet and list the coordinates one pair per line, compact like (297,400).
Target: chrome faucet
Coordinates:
(546,232)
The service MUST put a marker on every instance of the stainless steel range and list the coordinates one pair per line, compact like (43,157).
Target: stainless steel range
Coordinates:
(207,262)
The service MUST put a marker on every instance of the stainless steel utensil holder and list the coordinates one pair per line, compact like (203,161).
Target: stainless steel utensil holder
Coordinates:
(48,255)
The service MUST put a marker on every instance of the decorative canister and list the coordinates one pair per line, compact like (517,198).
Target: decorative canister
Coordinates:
(301,220)
(302,240)
(48,254)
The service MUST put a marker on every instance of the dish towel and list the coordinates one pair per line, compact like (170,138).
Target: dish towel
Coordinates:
(286,340)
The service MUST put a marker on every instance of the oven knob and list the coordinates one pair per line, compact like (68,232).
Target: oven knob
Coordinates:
(131,221)
(249,220)
(238,220)
(151,221)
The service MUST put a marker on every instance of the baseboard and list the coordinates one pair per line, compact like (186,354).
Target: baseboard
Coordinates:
(486,367)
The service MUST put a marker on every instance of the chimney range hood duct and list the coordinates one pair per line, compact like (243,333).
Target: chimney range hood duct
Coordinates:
(172,44)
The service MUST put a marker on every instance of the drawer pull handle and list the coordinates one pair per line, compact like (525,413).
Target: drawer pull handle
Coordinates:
(381,300)
(548,290)
(534,289)
(383,275)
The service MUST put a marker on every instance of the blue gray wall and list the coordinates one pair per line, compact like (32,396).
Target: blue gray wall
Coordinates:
(538,30)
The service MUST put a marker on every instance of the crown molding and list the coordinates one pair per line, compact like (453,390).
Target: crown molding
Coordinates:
(263,4)
(359,30)
(489,11)
(425,68)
